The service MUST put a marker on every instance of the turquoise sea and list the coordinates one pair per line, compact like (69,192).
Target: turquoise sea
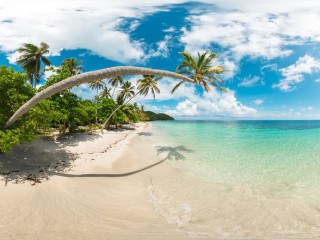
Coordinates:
(279,159)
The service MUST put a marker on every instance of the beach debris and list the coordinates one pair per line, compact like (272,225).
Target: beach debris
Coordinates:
(33,180)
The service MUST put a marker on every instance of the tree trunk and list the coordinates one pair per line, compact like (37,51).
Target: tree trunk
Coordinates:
(97,108)
(90,77)
(106,122)
(114,89)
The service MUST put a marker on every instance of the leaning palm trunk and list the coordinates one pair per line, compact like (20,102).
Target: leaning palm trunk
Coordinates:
(106,122)
(97,106)
(89,77)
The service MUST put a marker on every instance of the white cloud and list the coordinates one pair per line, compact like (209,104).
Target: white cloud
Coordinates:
(49,73)
(251,81)
(293,74)
(213,104)
(258,101)
(190,103)
(170,29)
(307,109)
(317,80)
(162,49)
(84,91)
(82,24)
(254,28)
(270,67)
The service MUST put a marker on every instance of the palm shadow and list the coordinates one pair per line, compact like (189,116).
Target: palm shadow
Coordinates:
(172,153)
(146,134)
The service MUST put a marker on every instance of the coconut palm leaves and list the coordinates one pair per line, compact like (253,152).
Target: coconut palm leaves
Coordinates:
(99,84)
(31,58)
(74,66)
(106,92)
(126,91)
(200,70)
(115,82)
(148,83)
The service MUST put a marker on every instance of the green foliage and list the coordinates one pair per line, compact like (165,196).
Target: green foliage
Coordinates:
(13,93)
(201,71)
(158,116)
(31,58)
(67,109)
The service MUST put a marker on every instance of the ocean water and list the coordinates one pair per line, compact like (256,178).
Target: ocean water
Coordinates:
(277,159)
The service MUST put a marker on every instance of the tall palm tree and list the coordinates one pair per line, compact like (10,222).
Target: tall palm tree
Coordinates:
(74,66)
(126,91)
(99,84)
(115,82)
(106,92)
(87,78)
(200,70)
(146,84)
(31,58)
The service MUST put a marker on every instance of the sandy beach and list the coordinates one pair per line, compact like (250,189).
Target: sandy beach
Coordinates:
(122,185)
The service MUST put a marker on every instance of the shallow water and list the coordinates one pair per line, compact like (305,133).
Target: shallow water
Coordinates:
(274,159)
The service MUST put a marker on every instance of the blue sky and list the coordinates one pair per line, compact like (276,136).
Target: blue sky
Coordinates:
(272,49)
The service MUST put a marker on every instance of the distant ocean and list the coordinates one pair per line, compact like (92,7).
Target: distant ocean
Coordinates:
(278,159)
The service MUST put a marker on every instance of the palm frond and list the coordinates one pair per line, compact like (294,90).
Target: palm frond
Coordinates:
(177,86)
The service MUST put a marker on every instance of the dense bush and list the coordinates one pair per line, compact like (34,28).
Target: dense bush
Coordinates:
(14,91)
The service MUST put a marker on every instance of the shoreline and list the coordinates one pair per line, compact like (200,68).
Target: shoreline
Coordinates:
(132,191)
(38,160)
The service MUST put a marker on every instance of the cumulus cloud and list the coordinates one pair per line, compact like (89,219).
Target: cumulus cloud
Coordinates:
(258,101)
(93,25)
(251,81)
(191,102)
(307,108)
(254,28)
(213,104)
(293,74)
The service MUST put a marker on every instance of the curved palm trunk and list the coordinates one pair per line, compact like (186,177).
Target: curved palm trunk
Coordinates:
(106,122)
(89,77)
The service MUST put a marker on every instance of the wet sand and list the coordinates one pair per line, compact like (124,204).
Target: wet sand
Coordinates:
(123,186)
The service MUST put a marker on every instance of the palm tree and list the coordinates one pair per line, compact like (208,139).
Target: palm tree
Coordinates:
(126,91)
(200,70)
(87,78)
(115,82)
(146,84)
(74,66)
(31,58)
(149,83)
(106,92)
(99,84)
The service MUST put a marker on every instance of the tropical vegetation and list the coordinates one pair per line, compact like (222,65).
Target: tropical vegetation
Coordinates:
(66,112)
(201,70)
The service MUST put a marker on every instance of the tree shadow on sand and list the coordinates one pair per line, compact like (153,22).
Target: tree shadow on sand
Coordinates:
(146,134)
(172,153)
(34,161)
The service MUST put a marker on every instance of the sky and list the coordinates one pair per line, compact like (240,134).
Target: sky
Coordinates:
(272,49)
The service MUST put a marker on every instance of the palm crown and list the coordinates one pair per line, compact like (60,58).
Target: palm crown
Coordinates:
(97,85)
(200,70)
(126,91)
(30,60)
(74,66)
(148,83)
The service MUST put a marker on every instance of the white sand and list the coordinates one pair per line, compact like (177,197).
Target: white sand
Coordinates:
(102,196)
